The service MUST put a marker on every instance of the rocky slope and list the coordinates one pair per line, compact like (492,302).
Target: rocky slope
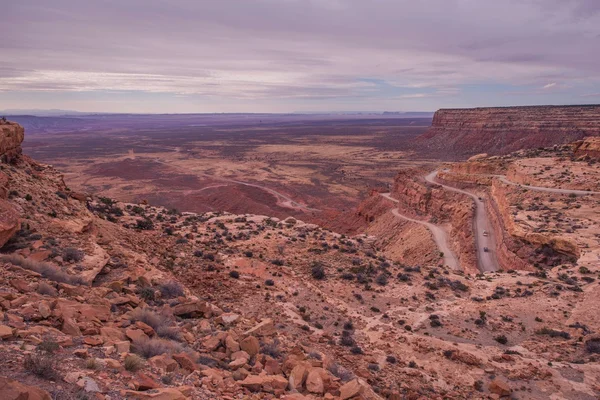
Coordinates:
(107,300)
(457,133)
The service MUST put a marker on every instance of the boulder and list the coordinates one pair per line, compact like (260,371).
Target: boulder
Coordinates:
(264,328)
(193,309)
(250,345)
(314,381)
(5,332)
(155,394)
(164,362)
(500,387)
(70,327)
(185,361)
(298,376)
(351,389)
(13,390)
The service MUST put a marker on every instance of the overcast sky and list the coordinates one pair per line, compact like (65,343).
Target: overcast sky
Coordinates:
(297,55)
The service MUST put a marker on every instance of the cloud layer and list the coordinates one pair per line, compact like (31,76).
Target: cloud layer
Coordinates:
(287,55)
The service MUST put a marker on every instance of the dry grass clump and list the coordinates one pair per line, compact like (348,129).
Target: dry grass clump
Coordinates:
(133,363)
(47,270)
(160,322)
(149,348)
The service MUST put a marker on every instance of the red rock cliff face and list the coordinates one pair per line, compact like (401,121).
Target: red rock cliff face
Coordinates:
(11,137)
(464,132)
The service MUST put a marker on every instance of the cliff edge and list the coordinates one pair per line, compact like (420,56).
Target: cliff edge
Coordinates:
(460,133)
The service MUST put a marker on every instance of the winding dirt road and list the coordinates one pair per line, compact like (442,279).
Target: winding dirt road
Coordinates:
(283,200)
(439,235)
(545,189)
(487,261)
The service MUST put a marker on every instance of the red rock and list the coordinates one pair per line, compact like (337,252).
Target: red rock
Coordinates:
(264,328)
(112,334)
(70,327)
(5,332)
(13,390)
(144,382)
(136,334)
(185,361)
(164,362)
(314,381)
(272,367)
(93,340)
(250,345)
(156,394)
(351,389)
(298,376)
(21,285)
(500,387)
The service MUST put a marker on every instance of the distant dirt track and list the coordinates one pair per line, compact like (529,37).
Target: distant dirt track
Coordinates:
(439,236)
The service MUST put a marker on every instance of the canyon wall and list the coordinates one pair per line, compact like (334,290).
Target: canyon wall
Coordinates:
(434,204)
(459,133)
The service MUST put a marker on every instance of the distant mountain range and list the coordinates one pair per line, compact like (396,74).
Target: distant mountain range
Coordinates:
(61,113)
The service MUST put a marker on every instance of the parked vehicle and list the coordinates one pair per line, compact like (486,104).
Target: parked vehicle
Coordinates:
(486,249)
(485,233)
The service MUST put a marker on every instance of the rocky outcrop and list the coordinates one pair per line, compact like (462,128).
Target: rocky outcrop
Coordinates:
(589,147)
(465,132)
(11,137)
(13,390)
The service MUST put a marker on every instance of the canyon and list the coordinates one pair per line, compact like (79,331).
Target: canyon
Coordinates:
(105,296)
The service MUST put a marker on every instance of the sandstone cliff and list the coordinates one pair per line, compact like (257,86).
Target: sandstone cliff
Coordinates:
(11,137)
(464,132)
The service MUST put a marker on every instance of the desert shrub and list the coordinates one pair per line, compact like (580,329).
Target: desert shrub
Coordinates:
(593,346)
(133,363)
(46,289)
(208,361)
(234,274)
(145,224)
(92,363)
(553,333)
(269,282)
(346,340)
(373,367)
(278,262)
(391,359)
(502,339)
(382,279)
(348,326)
(171,289)
(340,372)
(42,365)
(318,271)
(356,350)
(198,253)
(347,276)
(271,348)
(159,322)
(149,348)
(147,293)
(71,254)
(47,270)
(248,254)
(49,346)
